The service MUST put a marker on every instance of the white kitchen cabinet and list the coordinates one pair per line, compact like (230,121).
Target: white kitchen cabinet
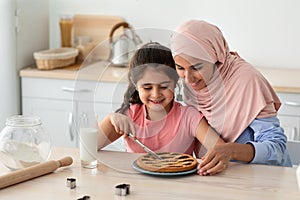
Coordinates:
(59,102)
(54,115)
(289,115)
(290,124)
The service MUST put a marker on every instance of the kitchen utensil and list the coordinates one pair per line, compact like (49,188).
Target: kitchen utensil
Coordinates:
(85,45)
(55,58)
(143,146)
(122,48)
(33,171)
(98,28)
(24,142)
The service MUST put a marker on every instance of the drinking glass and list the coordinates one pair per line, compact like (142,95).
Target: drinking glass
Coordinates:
(88,136)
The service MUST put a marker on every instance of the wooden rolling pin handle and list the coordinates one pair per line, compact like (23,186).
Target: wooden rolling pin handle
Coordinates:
(33,171)
(66,161)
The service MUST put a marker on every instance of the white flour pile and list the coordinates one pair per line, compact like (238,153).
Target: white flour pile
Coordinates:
(19,155)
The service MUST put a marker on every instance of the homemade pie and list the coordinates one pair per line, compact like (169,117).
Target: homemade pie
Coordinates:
(171,162)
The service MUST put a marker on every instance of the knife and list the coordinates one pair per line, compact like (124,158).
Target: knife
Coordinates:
(152,153)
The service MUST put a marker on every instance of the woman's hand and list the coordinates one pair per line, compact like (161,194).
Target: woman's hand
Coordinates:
(216,160)
(122,124)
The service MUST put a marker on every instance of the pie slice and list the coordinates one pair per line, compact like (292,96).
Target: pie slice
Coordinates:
(171,162)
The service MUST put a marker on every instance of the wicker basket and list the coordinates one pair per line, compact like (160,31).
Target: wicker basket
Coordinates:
(55,58)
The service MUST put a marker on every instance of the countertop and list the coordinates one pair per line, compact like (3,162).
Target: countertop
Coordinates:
(99,71)
(238,181)
(282,80)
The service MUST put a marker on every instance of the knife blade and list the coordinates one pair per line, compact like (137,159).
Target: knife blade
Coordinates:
(152,153)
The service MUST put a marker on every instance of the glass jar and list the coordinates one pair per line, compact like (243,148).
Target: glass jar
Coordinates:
(84,45)
(66,33)
(24,142)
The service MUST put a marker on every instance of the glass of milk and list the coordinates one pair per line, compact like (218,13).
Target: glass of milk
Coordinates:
(88,136)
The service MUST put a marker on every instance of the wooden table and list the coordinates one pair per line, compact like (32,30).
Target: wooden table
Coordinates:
(239,181)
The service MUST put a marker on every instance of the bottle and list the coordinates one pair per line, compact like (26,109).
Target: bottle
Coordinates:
(66,30)
(24,142)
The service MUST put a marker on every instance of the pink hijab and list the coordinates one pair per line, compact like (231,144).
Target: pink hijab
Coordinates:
(236,94)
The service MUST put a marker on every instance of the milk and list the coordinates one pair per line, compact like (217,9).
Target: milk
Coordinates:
(88,147)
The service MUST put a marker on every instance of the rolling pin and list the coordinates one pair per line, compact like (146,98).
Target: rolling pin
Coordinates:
(33,171)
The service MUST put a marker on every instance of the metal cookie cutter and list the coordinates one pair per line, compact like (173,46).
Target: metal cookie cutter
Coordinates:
(122,189)
(71,183)
(85,198)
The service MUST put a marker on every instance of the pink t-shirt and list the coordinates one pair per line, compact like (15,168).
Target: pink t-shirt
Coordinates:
(174,133)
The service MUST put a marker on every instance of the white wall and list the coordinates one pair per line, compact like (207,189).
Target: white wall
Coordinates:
(9,103)
(33,30)
(265,32)
(19,38)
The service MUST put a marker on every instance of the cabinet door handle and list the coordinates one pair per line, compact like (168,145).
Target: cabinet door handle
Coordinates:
(69,89)
(71,126)
(295,134)
(291,103)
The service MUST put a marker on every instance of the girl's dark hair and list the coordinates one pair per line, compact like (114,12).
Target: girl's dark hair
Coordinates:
(153,55)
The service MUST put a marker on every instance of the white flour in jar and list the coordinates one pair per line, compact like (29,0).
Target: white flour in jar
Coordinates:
(18,155)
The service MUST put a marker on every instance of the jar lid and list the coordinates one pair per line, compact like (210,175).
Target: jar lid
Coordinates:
(22,120)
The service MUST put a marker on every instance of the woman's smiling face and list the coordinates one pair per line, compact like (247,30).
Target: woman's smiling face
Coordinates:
(195,72)
(156,90)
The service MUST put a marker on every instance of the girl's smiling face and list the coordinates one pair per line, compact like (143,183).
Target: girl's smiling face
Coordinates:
(156,90)
(195,72)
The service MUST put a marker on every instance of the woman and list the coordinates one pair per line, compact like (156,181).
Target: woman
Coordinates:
(235,98)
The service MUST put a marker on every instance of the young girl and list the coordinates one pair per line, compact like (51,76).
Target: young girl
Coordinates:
(150,112)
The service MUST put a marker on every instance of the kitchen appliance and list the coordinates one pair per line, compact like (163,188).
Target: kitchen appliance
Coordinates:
(122,48)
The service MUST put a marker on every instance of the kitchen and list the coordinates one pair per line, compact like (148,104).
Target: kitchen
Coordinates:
(265,49)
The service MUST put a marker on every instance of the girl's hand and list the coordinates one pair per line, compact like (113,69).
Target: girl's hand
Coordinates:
(122,124)
(216,160)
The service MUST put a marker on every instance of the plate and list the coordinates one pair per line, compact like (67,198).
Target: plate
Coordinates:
(136,167)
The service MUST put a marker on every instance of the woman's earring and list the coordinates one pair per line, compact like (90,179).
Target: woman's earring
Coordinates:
(179,97)
(178,93)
